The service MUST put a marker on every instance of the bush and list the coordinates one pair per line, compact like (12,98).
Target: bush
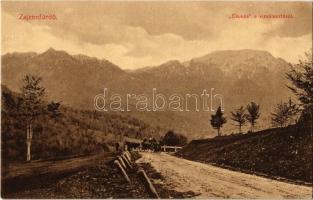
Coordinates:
(174,139)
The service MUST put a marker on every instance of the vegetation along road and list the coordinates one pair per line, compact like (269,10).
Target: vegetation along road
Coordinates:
(209,181)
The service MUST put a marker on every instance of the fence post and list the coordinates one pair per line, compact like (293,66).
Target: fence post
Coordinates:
(148,184)
(122,162)
(119,166)
(126,161)
(128,155)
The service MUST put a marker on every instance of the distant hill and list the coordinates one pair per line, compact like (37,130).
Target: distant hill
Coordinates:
(240,76)
(281,152)
(71,79)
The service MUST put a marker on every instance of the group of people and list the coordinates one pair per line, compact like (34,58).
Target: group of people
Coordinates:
(147,144)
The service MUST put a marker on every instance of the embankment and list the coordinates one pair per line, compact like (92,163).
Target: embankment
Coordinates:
(280,152)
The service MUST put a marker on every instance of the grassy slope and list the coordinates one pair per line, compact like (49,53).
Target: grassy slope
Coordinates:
(283,152)
(76,132)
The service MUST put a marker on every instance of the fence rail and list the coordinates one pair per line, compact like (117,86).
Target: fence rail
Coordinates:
(166,148)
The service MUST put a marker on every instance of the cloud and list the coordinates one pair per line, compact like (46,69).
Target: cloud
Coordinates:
(134,35)
(289,48)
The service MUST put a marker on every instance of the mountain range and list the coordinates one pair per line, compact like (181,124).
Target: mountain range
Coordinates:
(240,76)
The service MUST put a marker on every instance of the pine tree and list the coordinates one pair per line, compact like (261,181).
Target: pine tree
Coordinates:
(283,114)
(218,120)
(301,76)
(253,114)
(240,117)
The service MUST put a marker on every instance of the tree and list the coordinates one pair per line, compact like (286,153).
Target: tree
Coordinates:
(9,112)
(253,114)
(54,109)
(301,77)
(280,117)
(32,106)
(218,120)
(240,117)
(174,139)
(283,113)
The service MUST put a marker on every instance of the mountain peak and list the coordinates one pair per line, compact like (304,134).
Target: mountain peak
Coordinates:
(235,54)
(51,50)
(245,59)
(171,63)
(55,53)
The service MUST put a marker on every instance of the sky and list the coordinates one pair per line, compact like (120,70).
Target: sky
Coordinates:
(139,34)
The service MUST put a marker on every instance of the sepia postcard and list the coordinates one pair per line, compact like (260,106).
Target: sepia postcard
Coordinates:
(156,99)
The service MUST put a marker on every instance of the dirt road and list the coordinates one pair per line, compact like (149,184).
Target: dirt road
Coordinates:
(18,177)
(210,181)
(52,166)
